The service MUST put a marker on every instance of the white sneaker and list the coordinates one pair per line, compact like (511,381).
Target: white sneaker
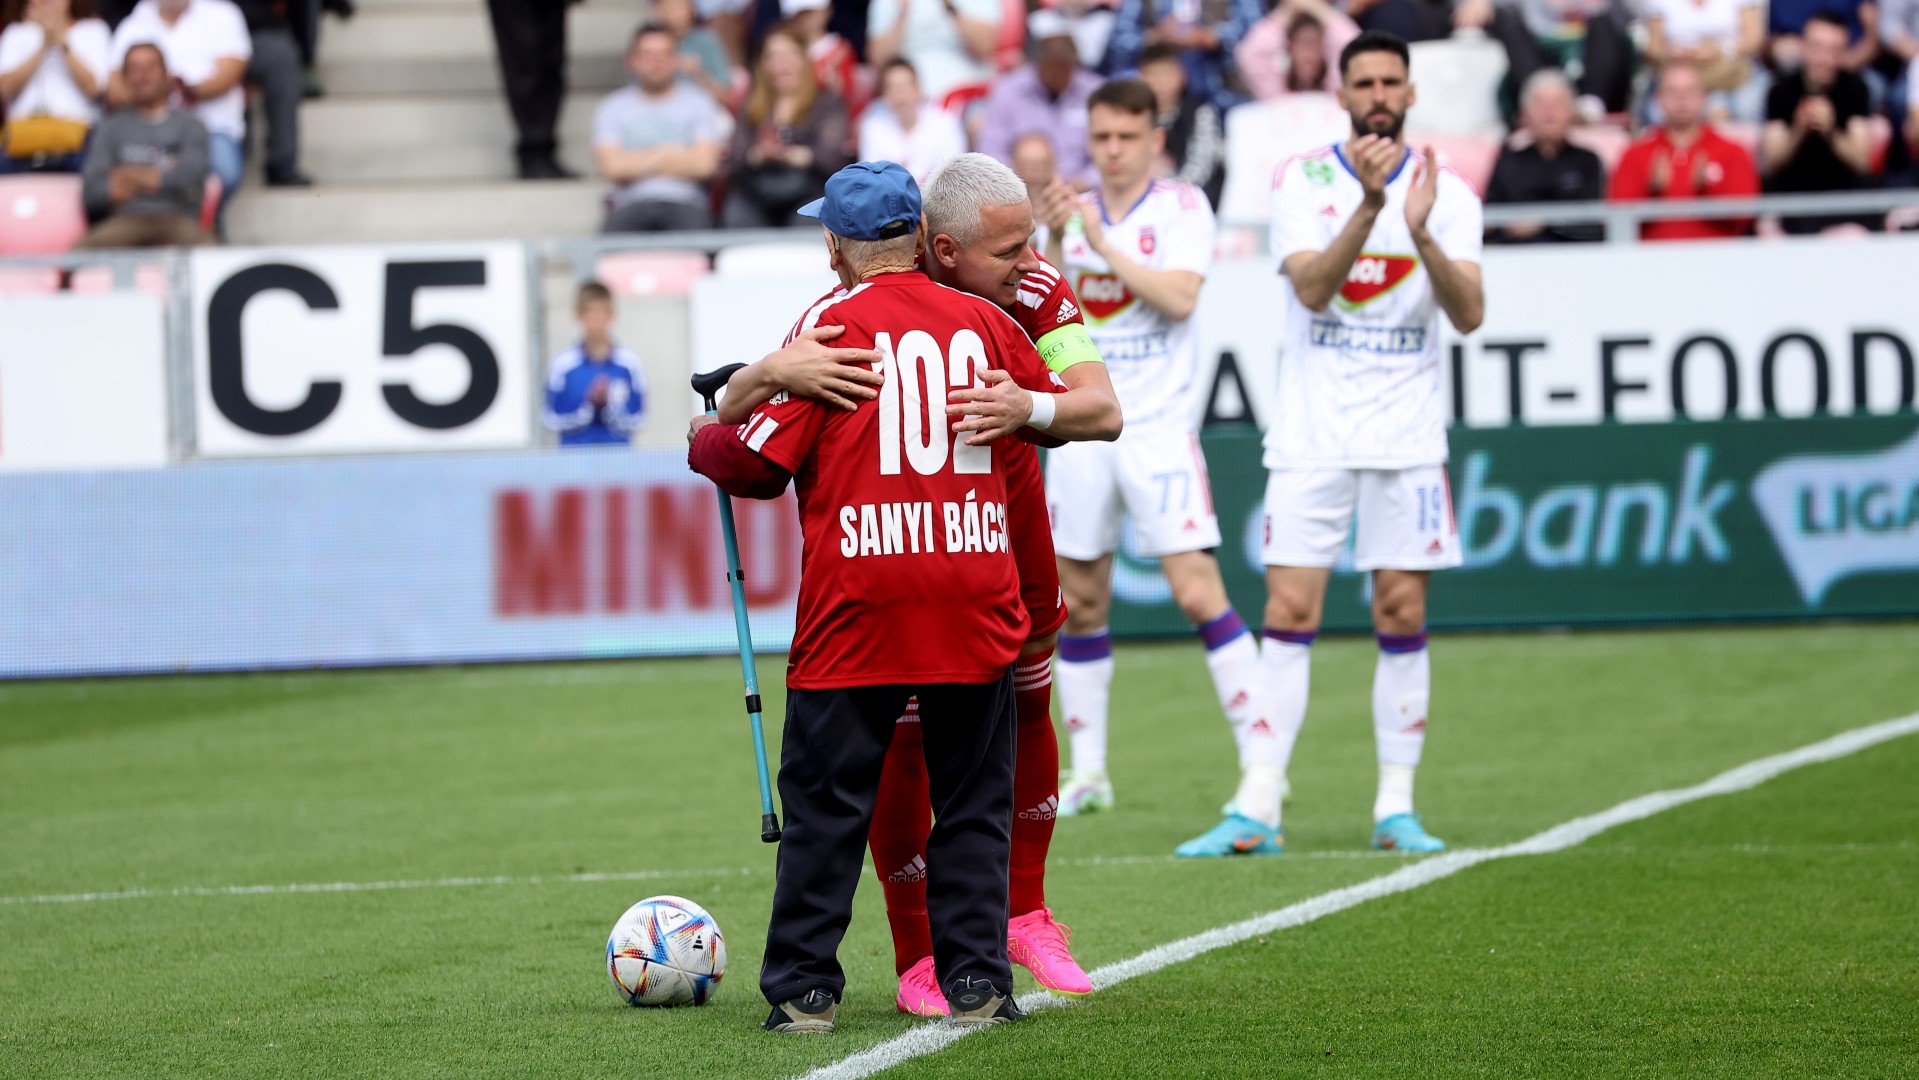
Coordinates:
(1084,793)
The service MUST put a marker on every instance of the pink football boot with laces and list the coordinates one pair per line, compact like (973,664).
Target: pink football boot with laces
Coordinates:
(920,991)
(1038,944)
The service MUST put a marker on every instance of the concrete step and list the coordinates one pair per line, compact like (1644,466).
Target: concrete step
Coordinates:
(446,48)
(365,213)
(358,140)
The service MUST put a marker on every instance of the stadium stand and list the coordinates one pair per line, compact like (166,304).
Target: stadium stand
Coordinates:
(410,141)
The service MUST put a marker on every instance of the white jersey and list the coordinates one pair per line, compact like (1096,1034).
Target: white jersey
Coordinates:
(1360,383)
(1153,360)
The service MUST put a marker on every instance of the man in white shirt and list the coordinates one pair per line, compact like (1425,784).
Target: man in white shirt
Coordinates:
(1375,240)
(207,46)
(950,42)
(1137,251)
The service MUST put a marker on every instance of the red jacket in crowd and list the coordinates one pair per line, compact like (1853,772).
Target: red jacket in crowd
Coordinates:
(1711,166)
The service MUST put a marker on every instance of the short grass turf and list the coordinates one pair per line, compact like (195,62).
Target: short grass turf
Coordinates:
(1770,932)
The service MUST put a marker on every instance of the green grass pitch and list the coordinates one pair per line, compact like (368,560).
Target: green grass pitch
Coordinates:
(1774,932)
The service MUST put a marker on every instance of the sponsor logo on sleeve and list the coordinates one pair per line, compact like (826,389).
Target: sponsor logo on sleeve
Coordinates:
(1318,172)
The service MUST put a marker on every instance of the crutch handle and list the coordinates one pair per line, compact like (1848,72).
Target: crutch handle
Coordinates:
(708,384)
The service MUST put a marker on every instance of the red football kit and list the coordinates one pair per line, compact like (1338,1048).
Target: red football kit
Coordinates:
(1045,302)
(906,572)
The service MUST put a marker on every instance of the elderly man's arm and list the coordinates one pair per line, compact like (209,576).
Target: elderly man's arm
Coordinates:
(717,453)
(807,368)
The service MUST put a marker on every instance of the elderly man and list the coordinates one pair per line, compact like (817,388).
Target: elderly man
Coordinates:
(909,592)
(1548,168)
(981,228)
(1048,97)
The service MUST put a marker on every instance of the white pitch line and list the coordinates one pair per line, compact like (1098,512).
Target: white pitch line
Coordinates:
(368,886)
(299,888)
(929,1038)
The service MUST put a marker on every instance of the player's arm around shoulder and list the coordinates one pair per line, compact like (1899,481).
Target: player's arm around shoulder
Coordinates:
(1025,396)
(806,366)
(1447,225)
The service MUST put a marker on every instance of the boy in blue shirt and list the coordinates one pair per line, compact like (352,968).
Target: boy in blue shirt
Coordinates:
(596,390)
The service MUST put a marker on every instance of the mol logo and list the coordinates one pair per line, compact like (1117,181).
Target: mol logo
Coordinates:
(1374,276)
(1835,515)
(1103,295)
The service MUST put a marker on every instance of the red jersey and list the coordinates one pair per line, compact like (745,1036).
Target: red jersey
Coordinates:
(906,567)
(1712,165)
(1045,301)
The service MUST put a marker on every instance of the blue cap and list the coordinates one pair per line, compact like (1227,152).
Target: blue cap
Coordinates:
(868,200)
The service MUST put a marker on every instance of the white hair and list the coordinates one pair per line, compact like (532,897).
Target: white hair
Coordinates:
(955,195)
(1540,80)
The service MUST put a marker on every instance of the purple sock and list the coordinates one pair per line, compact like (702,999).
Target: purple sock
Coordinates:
(1227,627)
(1084,650)
(1291,637)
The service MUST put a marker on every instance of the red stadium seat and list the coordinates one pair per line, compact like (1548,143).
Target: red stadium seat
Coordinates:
(1881,129)
(40,213)
(210,203)
(1471,156)
(29,281)
(651,273)
(151,280)
(960,98)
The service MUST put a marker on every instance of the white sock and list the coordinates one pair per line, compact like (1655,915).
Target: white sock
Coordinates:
(1402,689)
(1285,661)
(1083,671)
(1259,794)
(1232,655)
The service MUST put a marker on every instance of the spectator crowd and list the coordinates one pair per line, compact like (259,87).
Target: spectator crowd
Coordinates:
(737,111)
(78,93)
(1683,98)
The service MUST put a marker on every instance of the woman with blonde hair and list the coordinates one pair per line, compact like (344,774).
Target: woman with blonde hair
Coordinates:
(791,136)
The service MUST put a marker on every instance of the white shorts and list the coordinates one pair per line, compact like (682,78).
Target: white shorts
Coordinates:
(1157,477)
(1406,518)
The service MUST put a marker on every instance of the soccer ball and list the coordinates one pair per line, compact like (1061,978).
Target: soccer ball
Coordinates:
(666,950)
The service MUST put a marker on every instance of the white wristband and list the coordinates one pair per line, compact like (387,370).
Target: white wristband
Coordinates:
(1044,408)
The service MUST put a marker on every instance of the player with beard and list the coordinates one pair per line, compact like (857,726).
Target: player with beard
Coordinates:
(979,228)
(1375,240)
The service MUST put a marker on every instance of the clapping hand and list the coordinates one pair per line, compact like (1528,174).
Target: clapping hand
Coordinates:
(1374,159)
(1425,192)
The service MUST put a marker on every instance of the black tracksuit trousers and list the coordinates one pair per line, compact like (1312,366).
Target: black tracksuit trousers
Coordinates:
(834,744)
